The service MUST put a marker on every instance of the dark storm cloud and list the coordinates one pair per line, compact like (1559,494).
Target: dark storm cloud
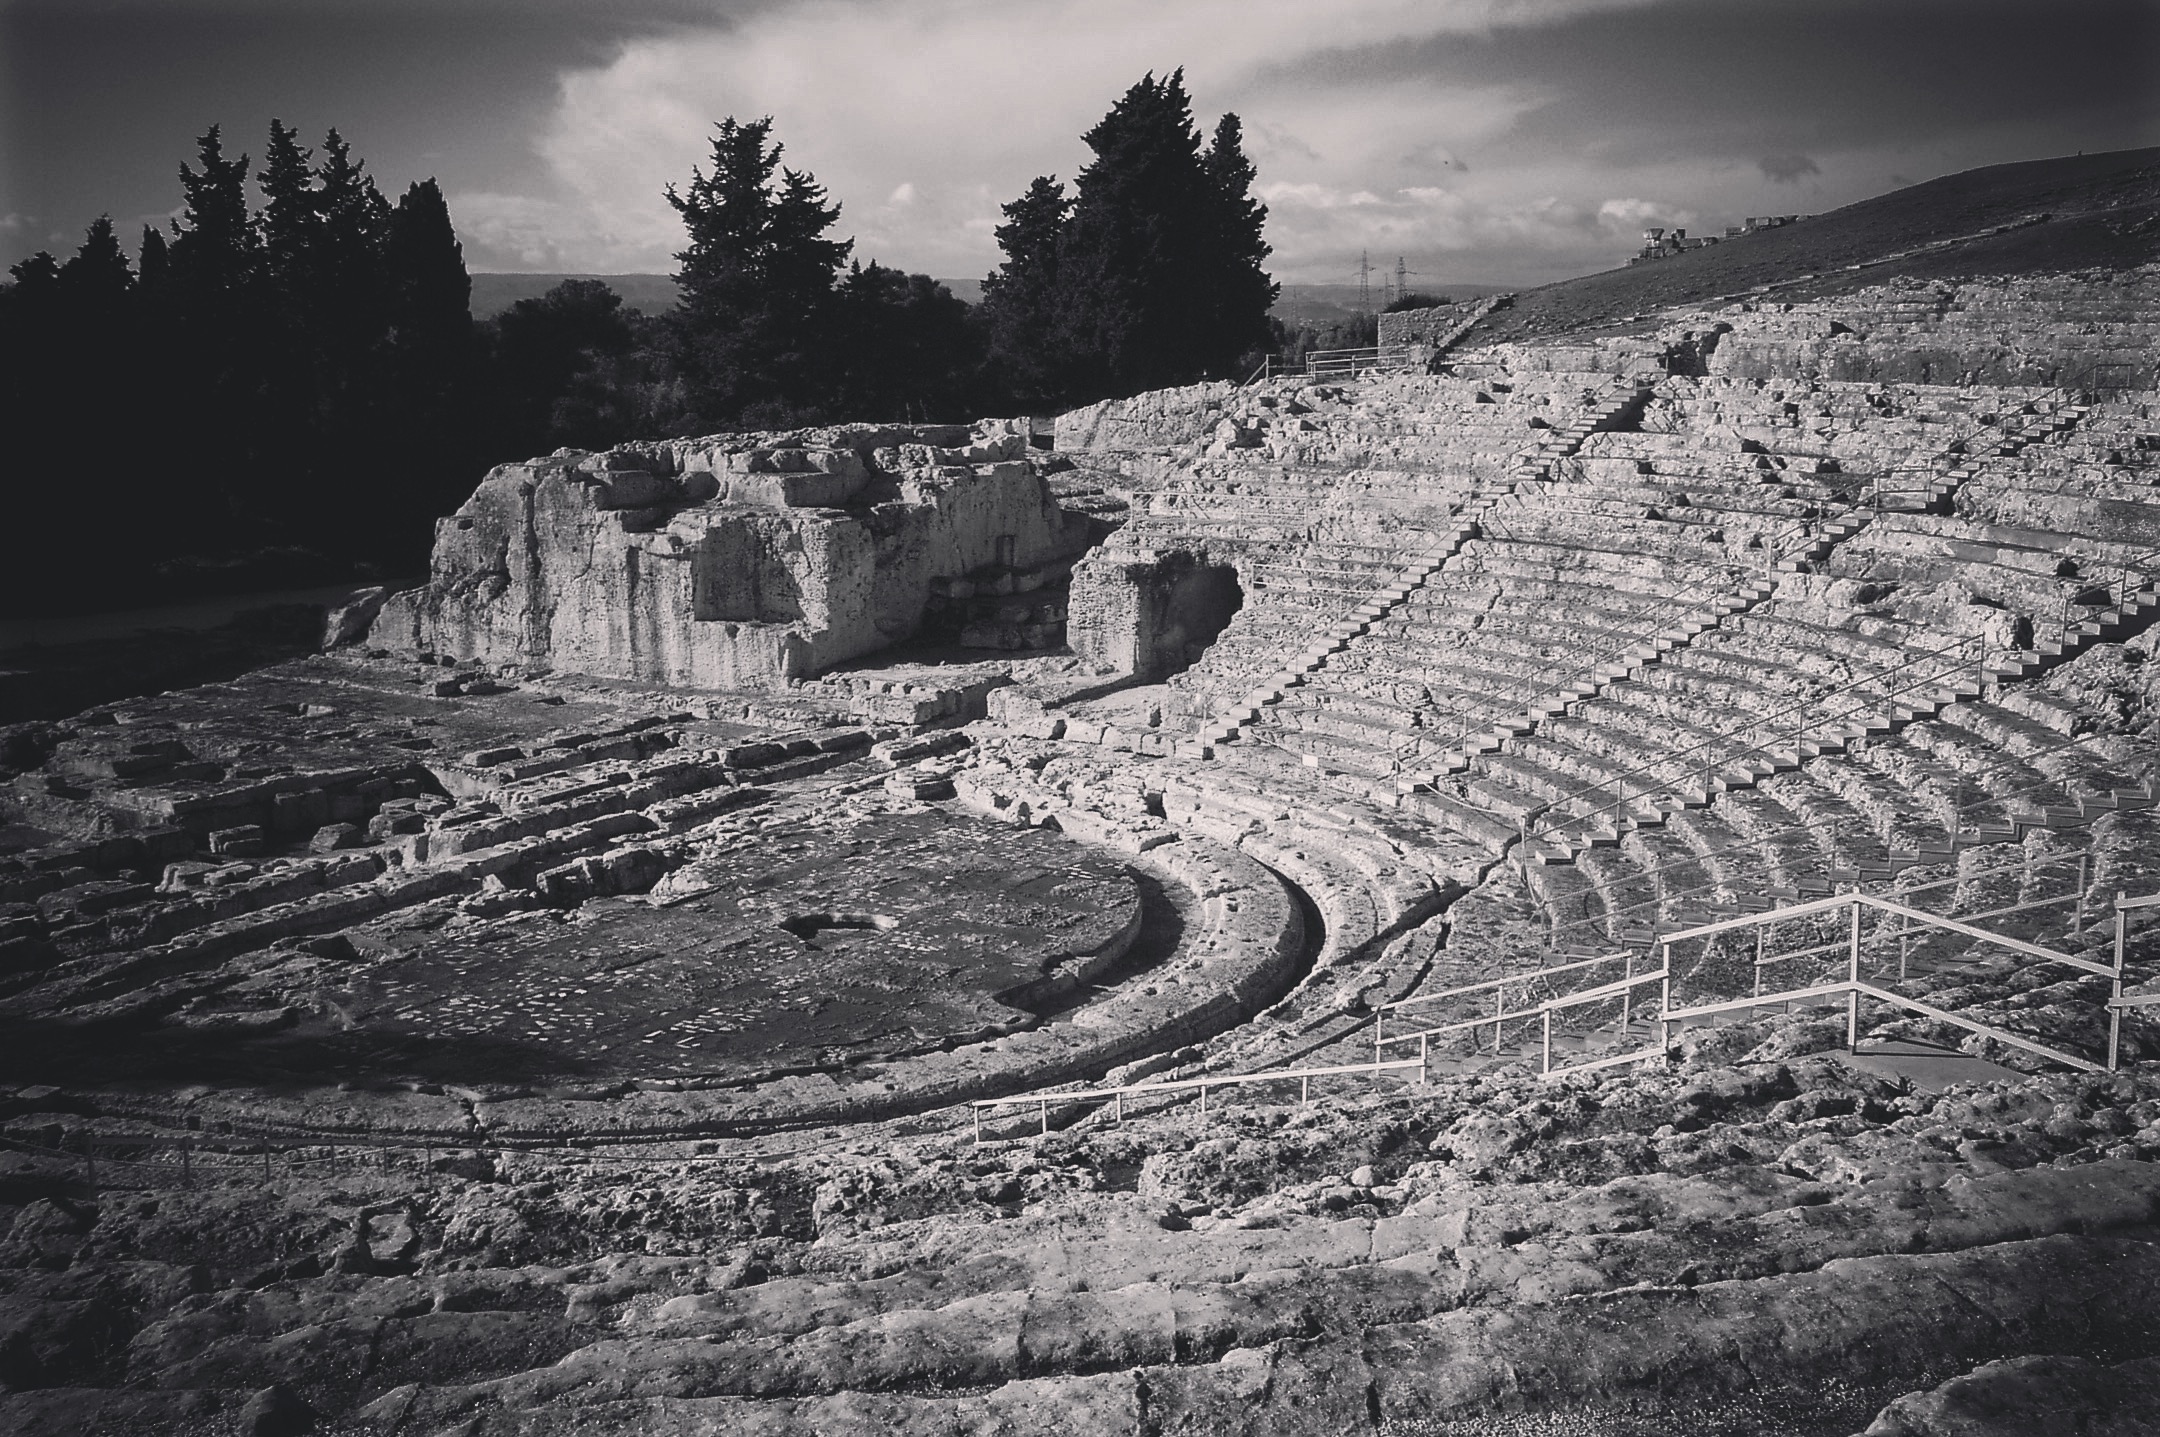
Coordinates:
(100,100)
(1713,77)
(1504,140)
(1785,169)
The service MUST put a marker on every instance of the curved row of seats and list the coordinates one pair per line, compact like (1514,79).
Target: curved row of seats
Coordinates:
(1327,514)
(2044,329)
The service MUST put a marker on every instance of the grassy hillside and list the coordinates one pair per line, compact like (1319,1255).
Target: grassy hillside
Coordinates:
(2102,210)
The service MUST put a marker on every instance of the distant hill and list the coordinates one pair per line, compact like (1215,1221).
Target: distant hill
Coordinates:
(655,294)
(2100,211)
(494,293)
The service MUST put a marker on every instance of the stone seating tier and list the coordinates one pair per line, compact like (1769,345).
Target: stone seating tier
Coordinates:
(2024,579)
(1890,794)
(1689,546)
(1714,399)
(1530,551)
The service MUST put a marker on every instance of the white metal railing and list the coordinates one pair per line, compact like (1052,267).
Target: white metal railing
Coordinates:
(1621,989)
(1320,362)
(2118,1002)
(1117,1094)
(1853,987)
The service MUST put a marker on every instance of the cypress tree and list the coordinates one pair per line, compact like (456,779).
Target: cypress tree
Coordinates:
(291,224)
(96,283)
(349,279)
(431,353)
(1019,307)
(1151,276)
(1129,311)
(430,309)
(214,251)
(153,264)
(1234,278)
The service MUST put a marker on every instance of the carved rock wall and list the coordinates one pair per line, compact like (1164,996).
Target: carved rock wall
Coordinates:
(729,562)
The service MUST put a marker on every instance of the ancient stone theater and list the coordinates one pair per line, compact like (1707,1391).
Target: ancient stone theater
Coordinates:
(1589,877)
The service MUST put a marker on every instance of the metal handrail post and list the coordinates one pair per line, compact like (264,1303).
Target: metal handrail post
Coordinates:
(1852,996)
(2115,1011)
(1665,1002)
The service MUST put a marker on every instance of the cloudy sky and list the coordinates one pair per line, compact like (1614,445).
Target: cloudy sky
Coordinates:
(1498,141)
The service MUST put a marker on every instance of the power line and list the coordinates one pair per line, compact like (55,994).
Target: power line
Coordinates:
(1402,279)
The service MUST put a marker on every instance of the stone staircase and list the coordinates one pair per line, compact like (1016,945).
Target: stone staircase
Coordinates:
(1228,725)
(1925,701)
(1531,466)
(2131,612)
(1935,495)
(1642,649)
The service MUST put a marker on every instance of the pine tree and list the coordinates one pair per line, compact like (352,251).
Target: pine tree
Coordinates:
(35,384)
(903,348)
(32,313)
(219,351)
(39,275)
(756,279)
(549,369)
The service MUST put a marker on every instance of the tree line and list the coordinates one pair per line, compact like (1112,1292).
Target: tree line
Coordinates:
(286,385)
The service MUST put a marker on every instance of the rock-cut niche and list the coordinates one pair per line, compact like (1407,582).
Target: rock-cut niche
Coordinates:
(1182,604)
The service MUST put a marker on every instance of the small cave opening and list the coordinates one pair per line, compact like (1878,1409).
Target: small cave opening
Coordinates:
(1193,602)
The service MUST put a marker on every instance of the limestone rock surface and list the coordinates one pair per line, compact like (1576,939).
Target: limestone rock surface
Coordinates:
(737,561)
